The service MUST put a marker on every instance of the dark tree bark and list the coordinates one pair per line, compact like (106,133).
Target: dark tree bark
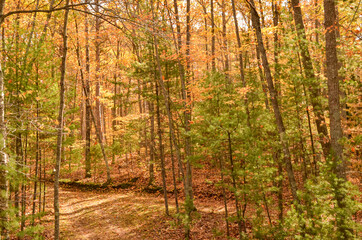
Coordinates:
(315,91)
(336,153)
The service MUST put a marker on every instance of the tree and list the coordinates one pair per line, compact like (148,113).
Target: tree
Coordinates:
(336,154)
(274,100)
(311,79)
(60,124)
(3,153)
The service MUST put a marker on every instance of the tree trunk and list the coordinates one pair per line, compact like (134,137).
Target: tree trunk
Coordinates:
(187,112)
(213,63)
(162,156)
(4,184)
(225,42)
(336,153)
(240,58)
(311,79)
(237,207)
(115,97)
(152,142)
(88,123)
(87,97)
(274,101)
(224,196)
(275,9)
(60,125)
(98,109)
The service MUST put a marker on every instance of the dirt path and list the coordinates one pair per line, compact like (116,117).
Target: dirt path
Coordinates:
(123,215)
(89,215)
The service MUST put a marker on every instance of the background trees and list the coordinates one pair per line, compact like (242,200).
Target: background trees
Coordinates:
(252,90)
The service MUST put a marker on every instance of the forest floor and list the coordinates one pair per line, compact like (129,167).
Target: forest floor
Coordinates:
(134,212)
(125,214)
(128,210)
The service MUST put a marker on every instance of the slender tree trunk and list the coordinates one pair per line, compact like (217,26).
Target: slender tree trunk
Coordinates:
(4,184)
(224,197)
(23,187)
(88,104)
(115,97)
(240,58)
(274,100)
(187,113)
(172,153)
(174,175)
(141,113)
(98,109)
(60,125)
(275,9)
(262,18)
(44,175)
(336,153)
(40,183)
(88,123)
(309,121)
(233,177)
(162,156)
(311,80)
(151,170)
(213,63)
(262,79)
(225,42)
(206,36)
(15,185)
(167,99)
(37,154)
(280,188)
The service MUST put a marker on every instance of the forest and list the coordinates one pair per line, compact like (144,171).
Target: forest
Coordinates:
(180,119)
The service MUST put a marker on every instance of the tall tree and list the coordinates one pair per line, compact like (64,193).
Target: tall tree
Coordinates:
(88,123)
(98,109)
(3,154)
(213,63)
(274,101)
(311,80)
(187,98)
(336,154)
(60,123)
(185,95)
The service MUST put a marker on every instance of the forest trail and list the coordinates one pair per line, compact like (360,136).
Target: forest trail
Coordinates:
(122,215)
(104,215)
